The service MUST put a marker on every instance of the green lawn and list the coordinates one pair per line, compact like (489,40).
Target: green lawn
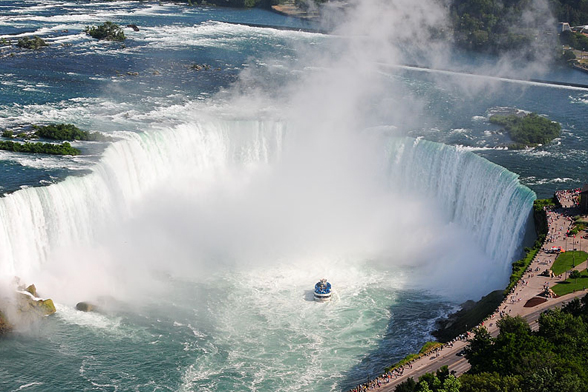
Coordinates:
(571,285)
(568,260)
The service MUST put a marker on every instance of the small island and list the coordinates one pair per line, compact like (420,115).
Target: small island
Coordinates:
(68,132)
(528,130)
(31,43)
(39,148)
(107,31)
(61,132)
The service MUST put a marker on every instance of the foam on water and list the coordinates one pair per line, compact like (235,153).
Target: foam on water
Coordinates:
(219,34)
(92,320)
(286,340)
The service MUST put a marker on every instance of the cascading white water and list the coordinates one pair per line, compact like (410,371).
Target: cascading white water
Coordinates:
(483,198)
(36,221)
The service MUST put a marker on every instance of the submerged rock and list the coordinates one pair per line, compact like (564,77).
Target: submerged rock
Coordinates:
(86,307)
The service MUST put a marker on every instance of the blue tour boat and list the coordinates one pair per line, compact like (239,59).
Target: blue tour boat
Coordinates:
(322,291)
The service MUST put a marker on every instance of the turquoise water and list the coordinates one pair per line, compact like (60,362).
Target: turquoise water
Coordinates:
(230,192)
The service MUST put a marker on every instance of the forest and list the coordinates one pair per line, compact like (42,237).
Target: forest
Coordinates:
(497,26)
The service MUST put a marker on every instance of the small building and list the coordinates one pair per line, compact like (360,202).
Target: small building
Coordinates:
(584,199)
(563,26)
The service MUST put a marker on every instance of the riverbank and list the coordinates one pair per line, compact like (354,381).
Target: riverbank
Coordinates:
(289,8)
(528,299)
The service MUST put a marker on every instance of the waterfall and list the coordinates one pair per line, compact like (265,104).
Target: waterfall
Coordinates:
(482,197)
(35,221)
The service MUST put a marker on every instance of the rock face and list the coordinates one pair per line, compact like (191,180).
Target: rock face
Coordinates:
(23,308)
(5,326)
(27,302)
(32,289)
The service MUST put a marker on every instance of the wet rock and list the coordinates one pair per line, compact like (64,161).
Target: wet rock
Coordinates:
(86,307)
(28,303)
(5,326)
(32,289)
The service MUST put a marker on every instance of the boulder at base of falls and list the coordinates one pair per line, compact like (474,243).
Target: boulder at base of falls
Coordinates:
(23,308)
(86,307)
(28,303)
(5,326)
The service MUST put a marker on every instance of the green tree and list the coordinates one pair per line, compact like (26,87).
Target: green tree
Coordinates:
(477,351)
(568,55)
(529,130)
(67,132)
(409,385)
(546,380)
(489,382)
(451,384)
(575,274)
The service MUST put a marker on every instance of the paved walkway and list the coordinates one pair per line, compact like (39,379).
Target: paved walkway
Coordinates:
(531,285)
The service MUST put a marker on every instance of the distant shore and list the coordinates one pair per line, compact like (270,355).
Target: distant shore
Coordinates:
(289,8)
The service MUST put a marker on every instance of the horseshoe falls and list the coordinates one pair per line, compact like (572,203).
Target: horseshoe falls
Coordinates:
(77,210)
(248,163)
(461,182)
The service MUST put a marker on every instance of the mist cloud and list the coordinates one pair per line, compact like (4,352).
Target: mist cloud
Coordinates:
(324,194)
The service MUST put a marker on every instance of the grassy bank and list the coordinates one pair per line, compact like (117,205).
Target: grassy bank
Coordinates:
(520,266)
(426,349)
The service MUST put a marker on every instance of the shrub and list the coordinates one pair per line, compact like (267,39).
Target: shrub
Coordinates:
(108,31)
(31,43)
(68,132)
(39,148)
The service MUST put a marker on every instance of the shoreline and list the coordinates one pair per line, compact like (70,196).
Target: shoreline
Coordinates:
(290,9)
(530,286)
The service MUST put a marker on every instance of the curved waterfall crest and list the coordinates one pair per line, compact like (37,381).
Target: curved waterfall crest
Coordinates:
(35,221)
(483,197)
